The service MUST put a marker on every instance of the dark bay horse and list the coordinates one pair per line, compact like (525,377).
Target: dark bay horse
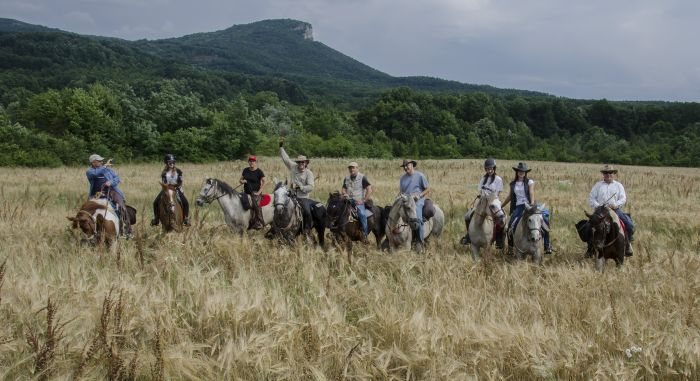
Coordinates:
(604,233)
(170,211)
(288,222)
(346,229)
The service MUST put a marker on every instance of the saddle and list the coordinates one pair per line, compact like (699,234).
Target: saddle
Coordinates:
(428,209)
(246,200)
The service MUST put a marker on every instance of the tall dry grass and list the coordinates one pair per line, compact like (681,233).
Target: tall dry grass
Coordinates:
(206,304)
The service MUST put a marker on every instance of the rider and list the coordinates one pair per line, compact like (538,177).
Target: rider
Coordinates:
(103,180)
(253,180)
(610,192)
(415,184)
(302,183)
(173,176)
(358,189)
(490,182)
(522,192)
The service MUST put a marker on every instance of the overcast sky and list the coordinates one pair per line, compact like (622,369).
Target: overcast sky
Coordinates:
(614,49)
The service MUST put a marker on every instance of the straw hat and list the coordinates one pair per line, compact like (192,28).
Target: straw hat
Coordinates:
(301,159)
(607,168)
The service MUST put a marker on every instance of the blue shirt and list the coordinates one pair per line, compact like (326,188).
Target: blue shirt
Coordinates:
(413,184)
(97,177)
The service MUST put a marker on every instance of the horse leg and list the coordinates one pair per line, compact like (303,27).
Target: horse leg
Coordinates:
(600,262)
(537,256)
(475,253)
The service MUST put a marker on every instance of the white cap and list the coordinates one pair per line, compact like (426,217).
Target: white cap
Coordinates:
(94,157)
(353,164)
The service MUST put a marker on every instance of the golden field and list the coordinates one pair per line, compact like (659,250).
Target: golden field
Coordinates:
(206,304)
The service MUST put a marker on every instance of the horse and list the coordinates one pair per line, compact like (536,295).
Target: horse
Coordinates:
(481,226)
(97,221)
(402,220)
(528,233)
(237,217)
(170,211)
(288,220)
(605,234)
(345,228)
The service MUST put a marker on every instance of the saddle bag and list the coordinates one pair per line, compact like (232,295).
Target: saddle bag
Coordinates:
(131,214)
(584,230)
(428,209)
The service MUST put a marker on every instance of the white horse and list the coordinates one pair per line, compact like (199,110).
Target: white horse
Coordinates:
(230,201)
(402,220)
(481,225)
(528,233)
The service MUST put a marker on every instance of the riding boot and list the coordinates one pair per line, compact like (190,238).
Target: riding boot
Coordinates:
(465,240)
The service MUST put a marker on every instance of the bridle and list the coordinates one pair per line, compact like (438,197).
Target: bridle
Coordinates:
(399,228)
(291,198)
(334,225)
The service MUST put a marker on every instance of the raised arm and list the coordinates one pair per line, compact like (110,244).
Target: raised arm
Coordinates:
(285,158)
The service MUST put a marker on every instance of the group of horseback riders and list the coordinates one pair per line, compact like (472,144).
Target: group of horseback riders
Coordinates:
(356,187)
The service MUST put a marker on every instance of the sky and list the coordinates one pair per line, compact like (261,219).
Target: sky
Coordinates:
(591,49)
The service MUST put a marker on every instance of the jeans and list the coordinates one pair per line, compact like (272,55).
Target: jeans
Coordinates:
(419,215)
(362,216)
(629,225)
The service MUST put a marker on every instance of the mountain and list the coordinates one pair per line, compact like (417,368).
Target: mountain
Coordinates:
(276,55)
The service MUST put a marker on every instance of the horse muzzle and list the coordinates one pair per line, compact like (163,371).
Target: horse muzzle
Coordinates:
(414,223)
(199,201)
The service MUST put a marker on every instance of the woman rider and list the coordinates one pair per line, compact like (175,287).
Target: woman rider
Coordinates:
(173,176)
(491,183)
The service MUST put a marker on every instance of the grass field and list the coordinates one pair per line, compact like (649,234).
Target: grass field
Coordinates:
(205,304)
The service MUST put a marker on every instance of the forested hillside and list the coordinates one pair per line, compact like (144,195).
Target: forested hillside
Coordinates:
(221,95)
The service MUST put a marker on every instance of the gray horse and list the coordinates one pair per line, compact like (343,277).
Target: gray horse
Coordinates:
(230,201)
(402,220)
(528,233)
(288,220)
(481,226)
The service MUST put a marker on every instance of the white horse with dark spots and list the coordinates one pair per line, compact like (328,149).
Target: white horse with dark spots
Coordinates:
(402,220)
(235,215)
(529,232)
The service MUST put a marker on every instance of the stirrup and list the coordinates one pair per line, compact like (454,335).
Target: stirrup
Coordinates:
(465,240)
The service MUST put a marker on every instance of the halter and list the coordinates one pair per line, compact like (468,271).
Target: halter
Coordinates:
(345,207)
(215,184)
(399,228)
(606,230)
(295,205)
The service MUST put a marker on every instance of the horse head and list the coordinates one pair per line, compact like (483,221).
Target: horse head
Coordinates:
(281,196)
(336,208)
(601,225)
(169,198)
(407,210)
(535,221)
(83,221)
(206,194)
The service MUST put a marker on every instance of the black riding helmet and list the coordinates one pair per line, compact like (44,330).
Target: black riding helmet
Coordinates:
(168,157)
(490,163)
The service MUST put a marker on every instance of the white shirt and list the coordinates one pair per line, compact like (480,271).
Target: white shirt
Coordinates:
(171,177)
(495,186)
(604,193)
(519,190)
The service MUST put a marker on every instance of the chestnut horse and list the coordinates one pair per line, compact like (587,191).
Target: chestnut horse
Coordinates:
(346,229)
(170,209)
(97,221)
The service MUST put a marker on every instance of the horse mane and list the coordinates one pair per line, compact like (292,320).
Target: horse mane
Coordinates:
(92,206)
(279,185)
(223,185)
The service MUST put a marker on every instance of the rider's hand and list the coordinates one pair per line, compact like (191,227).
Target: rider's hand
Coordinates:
(416,197)
(108,184)
(281,142)
(242,181)
(612,206)
(108,163)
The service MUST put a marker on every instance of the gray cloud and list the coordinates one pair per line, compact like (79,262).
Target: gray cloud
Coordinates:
(611,49)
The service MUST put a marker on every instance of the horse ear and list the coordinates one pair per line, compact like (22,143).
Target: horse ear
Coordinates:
(588,215)
(285,181)
(70,218)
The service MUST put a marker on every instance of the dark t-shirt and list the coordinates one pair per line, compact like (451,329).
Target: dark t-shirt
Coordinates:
(252,179)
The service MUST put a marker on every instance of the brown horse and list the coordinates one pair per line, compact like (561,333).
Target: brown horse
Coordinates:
(170,209)
(605,235)
(346,229)
(97,221)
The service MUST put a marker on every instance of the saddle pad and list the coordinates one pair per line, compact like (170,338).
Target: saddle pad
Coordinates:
(623,227)
(265,200)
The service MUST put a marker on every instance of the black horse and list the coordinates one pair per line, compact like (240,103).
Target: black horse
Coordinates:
(605,238)
(346,227)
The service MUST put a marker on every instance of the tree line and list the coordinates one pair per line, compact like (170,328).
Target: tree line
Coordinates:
(140,123)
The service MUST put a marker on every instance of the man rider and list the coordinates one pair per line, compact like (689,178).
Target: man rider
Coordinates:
(415,184)
(102,177)
(302,183)
(358,189)
(253,180)
(611,193)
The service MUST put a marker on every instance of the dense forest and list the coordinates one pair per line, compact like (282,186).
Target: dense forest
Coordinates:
(64,96)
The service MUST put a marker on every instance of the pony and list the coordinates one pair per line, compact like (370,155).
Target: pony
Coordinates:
(235,214)
(288,221)
(170,211)
(97,222)
(529,232)
(402,220)
(605,235)
(345,227)
(481,226)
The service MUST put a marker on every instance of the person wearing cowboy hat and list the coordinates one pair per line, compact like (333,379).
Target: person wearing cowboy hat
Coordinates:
(358,189)
(611,193)
(522,192)
(104,180)
(416,184)
(302,183)
(253,180)
(492,183)
(171,175)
